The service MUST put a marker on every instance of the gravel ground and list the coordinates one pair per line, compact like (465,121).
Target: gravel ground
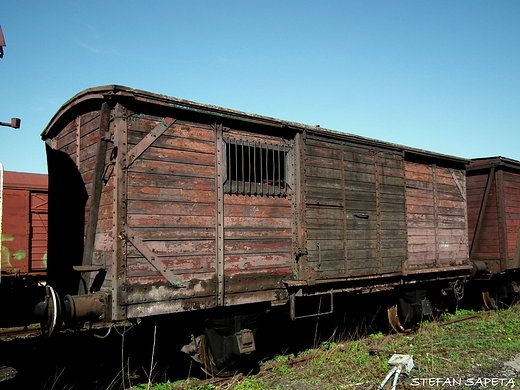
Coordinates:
(505,375)
(501,376)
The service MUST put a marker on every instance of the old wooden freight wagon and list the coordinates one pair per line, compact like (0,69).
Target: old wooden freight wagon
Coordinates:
(494,223)
(165,205)
(23,252)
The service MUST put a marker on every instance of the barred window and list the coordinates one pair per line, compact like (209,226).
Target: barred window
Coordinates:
(255,167)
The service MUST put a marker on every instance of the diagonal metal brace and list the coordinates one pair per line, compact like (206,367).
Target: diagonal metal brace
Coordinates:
(151,256)
(149,139)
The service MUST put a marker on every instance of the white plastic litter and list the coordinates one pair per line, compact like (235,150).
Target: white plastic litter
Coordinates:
(398,363)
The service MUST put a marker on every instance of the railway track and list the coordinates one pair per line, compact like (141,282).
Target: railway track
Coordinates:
(7,334)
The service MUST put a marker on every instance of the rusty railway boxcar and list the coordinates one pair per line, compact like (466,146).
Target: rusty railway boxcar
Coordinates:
(494,223)
(23,230)
(163,205)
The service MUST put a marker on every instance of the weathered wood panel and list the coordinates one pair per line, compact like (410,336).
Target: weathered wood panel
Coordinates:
(268,220)
(436,216)
(487,246)
(495,237)
(257,231)
(355,204)
(325,208)
(171,202)
(39,222)
(511,182)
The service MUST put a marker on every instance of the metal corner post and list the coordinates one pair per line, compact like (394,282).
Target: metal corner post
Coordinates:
(120,208)
(219,236)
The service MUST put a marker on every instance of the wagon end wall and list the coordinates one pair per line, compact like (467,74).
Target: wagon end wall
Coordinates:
(494,212)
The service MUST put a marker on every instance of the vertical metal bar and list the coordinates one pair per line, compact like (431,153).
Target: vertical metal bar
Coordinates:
(403,168)
(254,167)
(284,168)
(267,172)
(243,169)
(502,224)
(236,165)
(119,222)
(435,214)
(319,255)
(278,178)
(78,140)
(249,150)
(265,179)
(298,206)
(344,208)
(261,169)
(378,211)
(226,153)
(233,161)
(219,233)
(516,256)
(273,190)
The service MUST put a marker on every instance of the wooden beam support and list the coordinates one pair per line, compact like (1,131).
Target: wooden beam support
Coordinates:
(152,258)
(149,139)
(97,188)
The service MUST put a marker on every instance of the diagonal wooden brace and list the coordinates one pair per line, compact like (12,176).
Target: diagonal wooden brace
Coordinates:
(151,256)
(458,184)
(149,139)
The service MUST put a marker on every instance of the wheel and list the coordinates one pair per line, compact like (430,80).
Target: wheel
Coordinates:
(208,363)
(395,321)
(489,302)
(51,322)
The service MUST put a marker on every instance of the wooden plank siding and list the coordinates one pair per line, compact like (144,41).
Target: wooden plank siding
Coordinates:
(487,248)
(172,206)
(38,232)
(202,206)
(355,209)
(171,200)
(511,190)
(257,237)
(498,240)
(73,157)
(24,200)
(436,216)
(155,233)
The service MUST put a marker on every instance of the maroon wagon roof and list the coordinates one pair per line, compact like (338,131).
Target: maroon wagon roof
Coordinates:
(489,162)
(29,181)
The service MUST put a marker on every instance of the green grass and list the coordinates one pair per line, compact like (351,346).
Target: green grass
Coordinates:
(439,352)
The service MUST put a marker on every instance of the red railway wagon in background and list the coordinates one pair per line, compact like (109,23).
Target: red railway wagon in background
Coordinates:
(493,186)
(160,205)
(23,231)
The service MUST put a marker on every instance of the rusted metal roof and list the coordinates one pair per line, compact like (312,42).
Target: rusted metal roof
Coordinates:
(19,180)
(103,92)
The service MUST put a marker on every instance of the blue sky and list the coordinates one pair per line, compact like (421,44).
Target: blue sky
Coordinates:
(437,75)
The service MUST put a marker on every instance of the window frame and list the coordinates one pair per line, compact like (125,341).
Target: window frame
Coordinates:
(264,177)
